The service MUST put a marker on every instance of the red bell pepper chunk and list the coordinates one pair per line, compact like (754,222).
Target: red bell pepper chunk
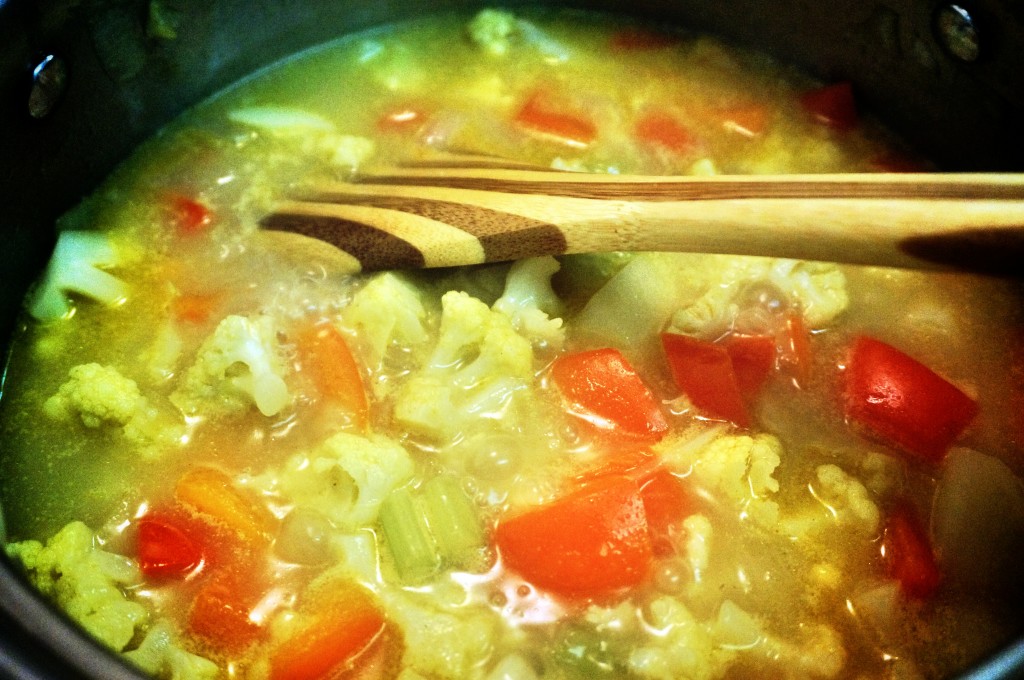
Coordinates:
(188,215)
(704,372)
(326,357)
(222,610)
(542,115)
(166,549)
(338,623)
(601,387)
(832,106)
(907,554)
(588,543)
(904,402)
(661,130)
(753,360)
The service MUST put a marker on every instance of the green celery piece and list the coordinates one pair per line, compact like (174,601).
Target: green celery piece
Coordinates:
(412,546)
(453,519)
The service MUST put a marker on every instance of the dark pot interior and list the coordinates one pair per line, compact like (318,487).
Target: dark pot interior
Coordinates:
(945,76)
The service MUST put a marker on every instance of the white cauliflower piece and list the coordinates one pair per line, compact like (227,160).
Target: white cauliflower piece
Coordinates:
(476,370)
(100,395)
(237,366)
(844,503)
(160,655)
(440,643)
(818,289)
(682,648)
(76,266)
(736,469)
(492,30)
(85,582)
(698,545)
(311,132)
(96,394)
(530,302)
(387,311)
(345,479)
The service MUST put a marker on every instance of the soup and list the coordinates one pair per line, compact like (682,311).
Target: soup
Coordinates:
(225,457)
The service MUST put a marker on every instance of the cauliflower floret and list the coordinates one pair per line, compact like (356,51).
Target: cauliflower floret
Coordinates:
(159,655)
(530,302)
(439,643)
(96,394)
(683,647)
(817,288)
(101,395)
(386,311)
(345,479)
(492,29)
(475,371)
(84,581)
(739,468)
(845,503)
(237,366)
(76,266)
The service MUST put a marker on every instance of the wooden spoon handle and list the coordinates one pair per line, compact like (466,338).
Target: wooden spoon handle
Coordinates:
(427,216)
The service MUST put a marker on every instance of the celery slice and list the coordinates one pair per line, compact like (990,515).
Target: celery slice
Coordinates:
(412,545)
(453,519)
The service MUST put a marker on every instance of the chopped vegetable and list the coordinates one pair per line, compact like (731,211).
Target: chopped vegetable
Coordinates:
(542,114)
(832,105)
(907,553)
(337,622)
(85,581)
(325,356)
(662,130)
(166,549)
(602,388)
(187,215)
(76,266)
(221,613)
(704,372)
(587,543)
(530,302)
(212,493)
(238,366)
(436,527)
(904,402)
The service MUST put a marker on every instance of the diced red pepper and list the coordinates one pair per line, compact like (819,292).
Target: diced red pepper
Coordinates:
(749,121)
(327,359)
(222,610)
(704,372)
(662,130)
(195,308)
(904,402)
(667,502)
(338,624)
(636,38)
(189,216)
(907,553)
(210,492)
(168,548)
(832,106)
(794,347)
(588,543)
(601,387)
(753,361)
(542,114)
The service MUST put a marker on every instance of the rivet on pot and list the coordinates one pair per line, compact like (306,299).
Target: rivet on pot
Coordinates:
(49,79)
(958,32)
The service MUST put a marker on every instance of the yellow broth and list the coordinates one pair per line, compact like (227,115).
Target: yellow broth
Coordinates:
(737,589)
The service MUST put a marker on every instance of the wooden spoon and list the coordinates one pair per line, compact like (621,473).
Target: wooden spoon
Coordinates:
(440,214)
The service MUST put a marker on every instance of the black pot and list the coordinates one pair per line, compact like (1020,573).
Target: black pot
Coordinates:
(83,81)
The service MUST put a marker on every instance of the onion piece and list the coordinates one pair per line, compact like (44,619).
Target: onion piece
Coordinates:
(977,523)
